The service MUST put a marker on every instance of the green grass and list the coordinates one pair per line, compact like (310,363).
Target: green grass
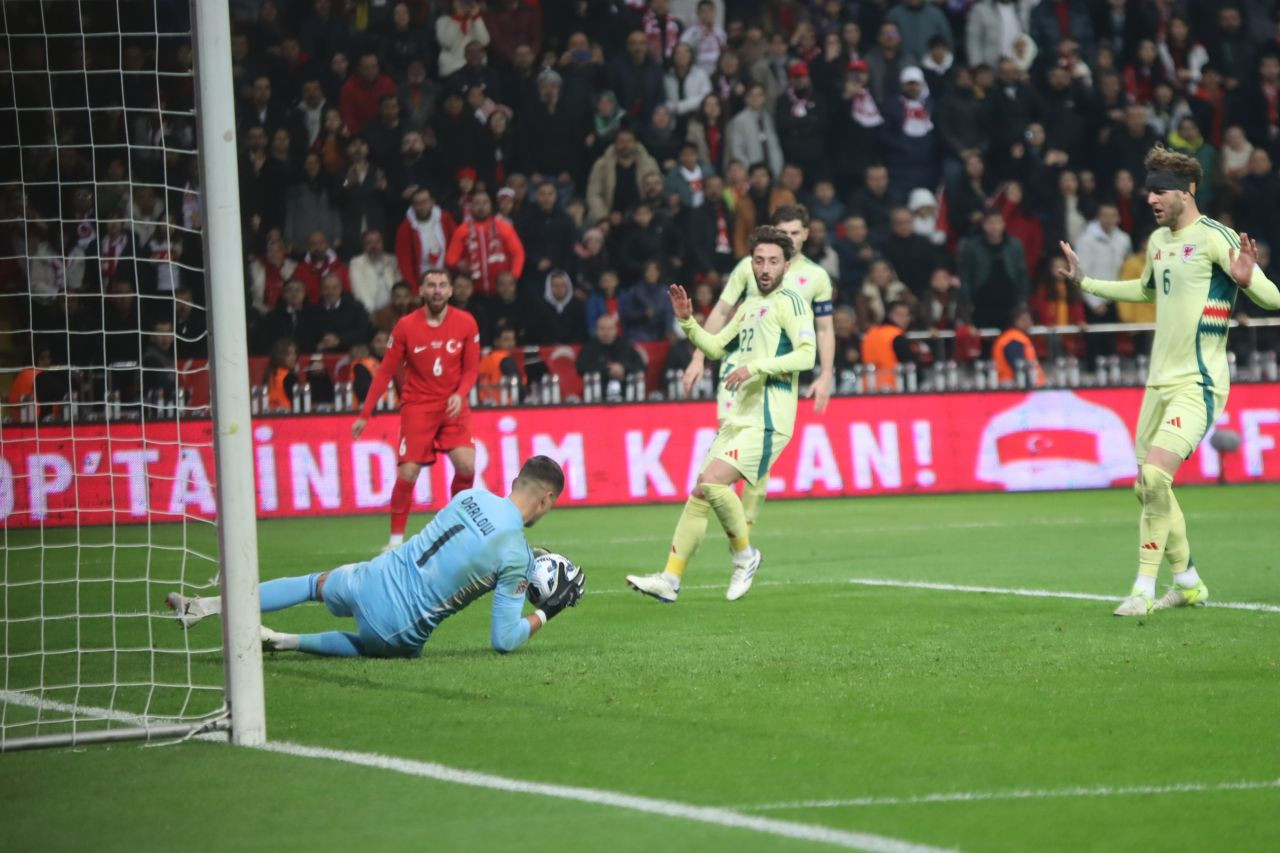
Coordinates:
(810,688)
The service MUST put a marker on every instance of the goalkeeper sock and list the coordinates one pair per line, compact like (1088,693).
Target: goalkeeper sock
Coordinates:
(728,507)
(286,592)
(334,644)
(1177,549)
(461,482)
(1155,490)
(401,501)
(753,496)
(690,531)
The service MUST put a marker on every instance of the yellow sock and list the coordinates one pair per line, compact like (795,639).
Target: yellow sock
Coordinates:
(1177,549)
(1155,490)
(728,507)
(753,499)
(690,530)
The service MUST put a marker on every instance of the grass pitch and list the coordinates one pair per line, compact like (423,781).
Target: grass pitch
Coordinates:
(981,722)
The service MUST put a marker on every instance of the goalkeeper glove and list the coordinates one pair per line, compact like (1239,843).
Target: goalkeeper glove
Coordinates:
(566,595)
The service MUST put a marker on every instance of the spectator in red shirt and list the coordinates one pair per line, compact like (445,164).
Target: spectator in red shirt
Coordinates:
(362,93)
(319,261)
(485,246)
(422,240)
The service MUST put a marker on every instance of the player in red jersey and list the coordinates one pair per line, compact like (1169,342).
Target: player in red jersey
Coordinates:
(440,349)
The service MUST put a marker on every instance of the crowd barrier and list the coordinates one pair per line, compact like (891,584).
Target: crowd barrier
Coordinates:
(623,454)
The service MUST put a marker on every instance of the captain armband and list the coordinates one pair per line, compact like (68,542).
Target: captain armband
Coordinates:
(822,309)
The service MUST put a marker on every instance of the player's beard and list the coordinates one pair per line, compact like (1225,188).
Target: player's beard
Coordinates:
(772,286)
(435,312)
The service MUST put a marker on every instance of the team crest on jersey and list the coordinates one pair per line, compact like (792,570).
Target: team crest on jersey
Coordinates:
(802,280)
(1157,257)
(1188,250)
(763,311)
(521,586)
(452,345)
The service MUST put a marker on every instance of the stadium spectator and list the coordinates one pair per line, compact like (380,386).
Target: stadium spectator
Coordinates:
(485,246)
(497,370)
(886,348)
(1014,355)
(687,180)
(610,356)
(1232,50)
(910,254)
(363,92)
(512,24)
(825,205)
(1131,203)
(373,273)
(293,318)
(706,130)
(1069,212)
(708,232)
(993,272)
(566,321)
(1259,206)
(324,32)
(802,117)
(418,95)
(751,136)
(616,179)
(319,261)
(189,325)
(1021,225)
(885,62)
(280,376)
(384,131)
(454,32)
(401,302)
(818,249)
(759,203)
(857,128)
(553,133)
(1209,103)
(991,27)
(1127,147)
(646,309)
(873,201)
(662,137)
(263,190)
(403,43)
(1187,139)
(159,369)
(603,301)
(1052,21)
(423,236)
(730,82)
(310,205)
(661,30)
(363,195)
(507,309)
(548,234)
(268,272)
(706,37)
(880,288)
(261,110)
(331,142)
(1014,105)
(1260,105)
(637,79)
(911,140)
(919,22)
(685,84)
(853,247)
(941,305)
(1058,302)
(646,237)
(341,320)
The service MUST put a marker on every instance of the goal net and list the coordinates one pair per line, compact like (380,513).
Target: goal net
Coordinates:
(111,408)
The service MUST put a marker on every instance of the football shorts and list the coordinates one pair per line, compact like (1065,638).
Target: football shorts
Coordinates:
(750,449)
(1175,418)
(424,433)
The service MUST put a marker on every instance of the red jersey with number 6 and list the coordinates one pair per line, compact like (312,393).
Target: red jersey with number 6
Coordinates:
(439,361)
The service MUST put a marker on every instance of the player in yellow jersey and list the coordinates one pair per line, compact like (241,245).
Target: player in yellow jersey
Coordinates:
(774,335)
(812,284)
(1194,271)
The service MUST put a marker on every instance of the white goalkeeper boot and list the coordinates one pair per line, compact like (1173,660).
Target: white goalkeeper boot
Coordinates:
(744,572)
(190,611)
(659,585)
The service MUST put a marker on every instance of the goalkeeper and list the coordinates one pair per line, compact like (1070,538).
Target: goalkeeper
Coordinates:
(1195,269)
(774,335)
(474,545)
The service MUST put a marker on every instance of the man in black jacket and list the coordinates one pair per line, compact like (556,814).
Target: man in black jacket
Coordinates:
(341,319)
(548,235)
(609,355)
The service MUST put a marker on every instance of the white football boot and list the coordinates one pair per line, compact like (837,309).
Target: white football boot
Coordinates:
(744,572)
(190,611)
(657,585)
(1137,604)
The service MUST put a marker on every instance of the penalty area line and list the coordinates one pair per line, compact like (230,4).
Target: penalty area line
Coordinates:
(1025,794)
(1043,593)
(714,815)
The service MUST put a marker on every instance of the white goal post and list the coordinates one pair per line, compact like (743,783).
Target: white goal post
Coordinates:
(111,498)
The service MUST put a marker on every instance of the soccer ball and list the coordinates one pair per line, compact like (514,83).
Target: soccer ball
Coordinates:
(549,571)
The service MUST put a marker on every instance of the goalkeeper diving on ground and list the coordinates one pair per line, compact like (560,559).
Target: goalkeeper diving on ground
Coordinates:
(473,546)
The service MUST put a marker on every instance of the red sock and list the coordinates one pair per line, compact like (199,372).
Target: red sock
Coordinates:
(461,481)
(401,501)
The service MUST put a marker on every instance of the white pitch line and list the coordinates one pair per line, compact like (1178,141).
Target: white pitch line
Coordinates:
(863,841)
(1031,794)
(1044,593)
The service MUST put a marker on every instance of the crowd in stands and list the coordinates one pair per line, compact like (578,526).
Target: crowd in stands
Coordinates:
(566,159)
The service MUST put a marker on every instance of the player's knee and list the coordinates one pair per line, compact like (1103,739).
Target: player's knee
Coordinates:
(1154,488)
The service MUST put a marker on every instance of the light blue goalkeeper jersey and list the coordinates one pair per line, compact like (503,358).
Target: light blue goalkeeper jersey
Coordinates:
(474,545)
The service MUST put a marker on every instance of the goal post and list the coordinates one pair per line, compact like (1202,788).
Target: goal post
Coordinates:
(229,354)
(126,464)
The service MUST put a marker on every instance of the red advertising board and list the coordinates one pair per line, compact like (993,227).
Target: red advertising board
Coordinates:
(910,444)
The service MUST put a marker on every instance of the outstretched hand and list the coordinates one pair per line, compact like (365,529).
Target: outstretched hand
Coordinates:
(1072,272)
(1243,262)
(681,304)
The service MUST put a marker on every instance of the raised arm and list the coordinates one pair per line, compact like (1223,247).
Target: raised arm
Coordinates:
(713,346)
(1252,280)
(1141,289)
